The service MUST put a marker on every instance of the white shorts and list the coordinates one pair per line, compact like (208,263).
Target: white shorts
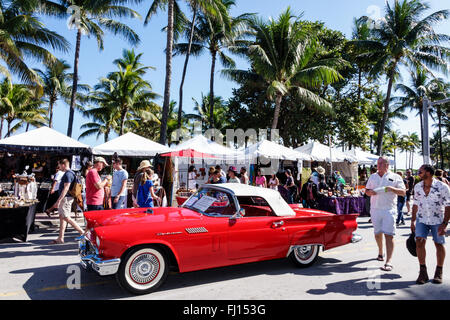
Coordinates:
(65,207)
(383,221)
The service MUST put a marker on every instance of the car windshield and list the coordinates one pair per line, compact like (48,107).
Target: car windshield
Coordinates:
(211,202)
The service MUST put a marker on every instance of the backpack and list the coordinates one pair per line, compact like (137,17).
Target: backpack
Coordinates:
(76,191)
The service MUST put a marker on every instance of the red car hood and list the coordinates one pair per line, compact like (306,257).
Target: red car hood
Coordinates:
(138,215)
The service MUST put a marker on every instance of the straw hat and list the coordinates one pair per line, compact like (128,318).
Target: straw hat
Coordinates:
(101,159)
(320,170)
(144,164)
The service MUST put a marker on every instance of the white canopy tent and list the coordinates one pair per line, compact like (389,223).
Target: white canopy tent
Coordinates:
(42,139)
(366,157)
(320,152)
(273,150)
(130,145)
(202,144)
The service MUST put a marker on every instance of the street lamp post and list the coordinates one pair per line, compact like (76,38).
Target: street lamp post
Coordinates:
(371,132)
(426,138)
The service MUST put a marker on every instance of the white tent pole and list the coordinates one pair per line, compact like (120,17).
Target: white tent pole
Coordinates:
(331,155)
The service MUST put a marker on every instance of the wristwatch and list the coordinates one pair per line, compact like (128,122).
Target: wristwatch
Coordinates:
(445,223)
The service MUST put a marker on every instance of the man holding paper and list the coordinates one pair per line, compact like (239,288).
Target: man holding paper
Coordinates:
(383,187)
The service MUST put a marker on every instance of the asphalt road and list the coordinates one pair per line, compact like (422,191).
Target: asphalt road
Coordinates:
(37,270)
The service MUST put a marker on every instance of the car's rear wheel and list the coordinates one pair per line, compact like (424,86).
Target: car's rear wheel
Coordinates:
(304,256)
(143,269)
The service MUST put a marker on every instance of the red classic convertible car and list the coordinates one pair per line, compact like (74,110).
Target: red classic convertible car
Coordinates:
(218,226)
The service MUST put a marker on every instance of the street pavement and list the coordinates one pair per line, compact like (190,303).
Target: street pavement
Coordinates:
(39,270)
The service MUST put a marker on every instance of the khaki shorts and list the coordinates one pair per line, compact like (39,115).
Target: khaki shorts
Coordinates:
(65,207)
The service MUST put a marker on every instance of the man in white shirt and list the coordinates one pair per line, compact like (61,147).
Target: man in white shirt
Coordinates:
(431,209)
(383,187)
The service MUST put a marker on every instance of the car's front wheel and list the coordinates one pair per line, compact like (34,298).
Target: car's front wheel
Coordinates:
(304,256)
(143,269)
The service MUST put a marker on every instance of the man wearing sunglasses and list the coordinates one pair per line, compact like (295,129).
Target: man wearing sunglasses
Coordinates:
(430,213)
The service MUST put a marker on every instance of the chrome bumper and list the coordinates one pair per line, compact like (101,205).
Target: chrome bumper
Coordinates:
(356,237)
(89,259)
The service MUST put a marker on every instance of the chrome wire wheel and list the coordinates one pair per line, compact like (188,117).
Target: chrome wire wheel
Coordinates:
(143,270)
(304,256)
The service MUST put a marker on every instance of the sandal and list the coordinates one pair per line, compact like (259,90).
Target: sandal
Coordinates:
(380,257)
(387,267)
(49,213)
(56,242)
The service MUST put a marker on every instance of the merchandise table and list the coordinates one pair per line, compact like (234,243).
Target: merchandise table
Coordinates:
(17,222)
(342,205)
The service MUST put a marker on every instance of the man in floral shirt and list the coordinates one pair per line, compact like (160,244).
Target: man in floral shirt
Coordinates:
(431,209)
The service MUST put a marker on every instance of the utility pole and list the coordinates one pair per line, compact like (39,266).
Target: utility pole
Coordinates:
(426,138)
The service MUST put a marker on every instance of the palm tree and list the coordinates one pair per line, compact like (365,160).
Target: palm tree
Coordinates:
(19,102)
(105,121)
(125,90)
(215,9)
(173,11)
(394,142)
(403,37)
(55,80)
(24,35)
(94,17)
(414,94)
(211,34)
(284,63)
(220,117)
(439,90)
(411,143)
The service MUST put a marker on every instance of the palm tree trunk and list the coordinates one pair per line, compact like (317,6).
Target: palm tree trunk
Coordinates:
(50,112)
(385,114)
(441,150)
(276,113)
(27,127)
(8,134)
(395,160)
(74,84)
(123,116)
(169,49)
(2,119)
(186,61)
(421,129)
(211,90)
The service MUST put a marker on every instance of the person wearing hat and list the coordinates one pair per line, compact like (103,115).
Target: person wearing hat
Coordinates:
(232,172)
(145,164)
(95,192)
(315,175)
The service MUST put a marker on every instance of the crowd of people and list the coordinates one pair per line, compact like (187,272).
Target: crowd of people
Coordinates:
(94,190)
(430,212)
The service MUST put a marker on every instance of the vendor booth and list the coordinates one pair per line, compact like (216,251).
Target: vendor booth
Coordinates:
(132,149)
(28,161)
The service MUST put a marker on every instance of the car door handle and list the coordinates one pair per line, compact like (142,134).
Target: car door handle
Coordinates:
(277,224)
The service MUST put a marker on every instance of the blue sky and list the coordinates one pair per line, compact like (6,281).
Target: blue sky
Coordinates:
(94,64)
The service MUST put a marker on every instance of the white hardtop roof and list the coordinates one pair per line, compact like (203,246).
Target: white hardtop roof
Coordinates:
(130,144)
(43,137)
(273,197)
